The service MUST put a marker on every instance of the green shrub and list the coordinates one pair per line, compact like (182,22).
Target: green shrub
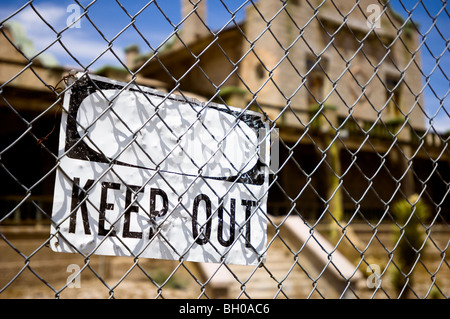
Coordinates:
(409,238)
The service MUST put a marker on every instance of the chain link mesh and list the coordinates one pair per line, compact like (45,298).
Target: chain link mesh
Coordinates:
(355,95)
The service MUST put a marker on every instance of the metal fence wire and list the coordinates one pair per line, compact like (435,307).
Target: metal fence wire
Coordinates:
(238,149)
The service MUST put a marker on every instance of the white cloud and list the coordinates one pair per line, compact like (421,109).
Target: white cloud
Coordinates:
(441,123)
(86,50)
(50,13)
(83,43)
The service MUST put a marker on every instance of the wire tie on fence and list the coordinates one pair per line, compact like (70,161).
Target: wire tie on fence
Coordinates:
(57,89)
(45,138)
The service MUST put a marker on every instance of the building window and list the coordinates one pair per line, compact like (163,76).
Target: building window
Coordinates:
(315,79)
(260,72)
(393,95)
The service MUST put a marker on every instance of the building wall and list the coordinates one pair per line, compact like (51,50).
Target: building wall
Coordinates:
(272,63)
(355,63)
(295,55)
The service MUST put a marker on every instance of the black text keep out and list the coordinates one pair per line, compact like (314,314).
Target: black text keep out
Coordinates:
(154,210)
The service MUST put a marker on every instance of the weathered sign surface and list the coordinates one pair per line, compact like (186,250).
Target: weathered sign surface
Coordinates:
(147,174)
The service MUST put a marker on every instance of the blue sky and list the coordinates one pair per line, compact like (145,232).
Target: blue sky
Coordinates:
(86,43)
(434,25)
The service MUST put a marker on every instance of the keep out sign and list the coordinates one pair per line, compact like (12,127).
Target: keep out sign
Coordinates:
(146,174)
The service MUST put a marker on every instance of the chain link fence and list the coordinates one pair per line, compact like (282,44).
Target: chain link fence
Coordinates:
(237,149)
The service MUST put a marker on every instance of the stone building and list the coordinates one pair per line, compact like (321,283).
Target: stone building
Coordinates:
(29,109)
(346,97)
(347,100)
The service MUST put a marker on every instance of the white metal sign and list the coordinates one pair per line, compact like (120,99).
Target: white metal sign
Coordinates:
(146,174)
